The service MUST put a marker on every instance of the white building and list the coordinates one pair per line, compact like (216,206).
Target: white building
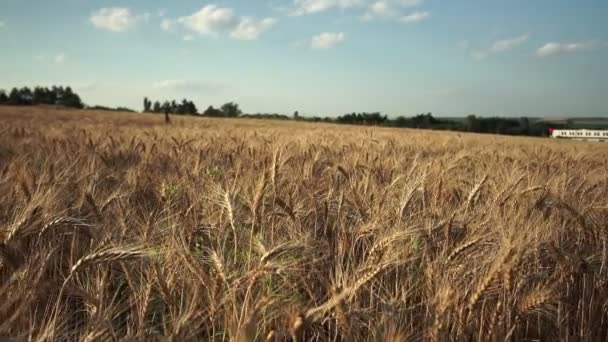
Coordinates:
(580,134)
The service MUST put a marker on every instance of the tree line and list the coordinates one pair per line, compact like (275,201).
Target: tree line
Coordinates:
(472,123)
(187,107)
(184,107)
(59,96)
(65,96)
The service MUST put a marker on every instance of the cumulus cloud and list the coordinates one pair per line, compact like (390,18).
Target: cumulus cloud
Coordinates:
(553,48)
(213,20)
(167,25)
(508,44)
(116,19)
(388,9)
(415,17)
(497,47)
(187,85)
(373,8)
(314,6)
(210,20)
(60,58)
(327,40)
(251,28)
(383,8)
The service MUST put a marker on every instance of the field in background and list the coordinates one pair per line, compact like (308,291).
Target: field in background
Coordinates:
(116,226)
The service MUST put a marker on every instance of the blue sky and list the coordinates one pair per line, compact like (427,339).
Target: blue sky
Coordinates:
(321,57)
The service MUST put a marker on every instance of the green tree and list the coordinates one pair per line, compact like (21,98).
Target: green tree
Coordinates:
(40,95)
(166,107)
(14,97)
(231,109)
(524,125)
(70,99)
(472,124)
(27,96)
(147,105)
(191,108)
(157,108)
(213,112)
(3,97)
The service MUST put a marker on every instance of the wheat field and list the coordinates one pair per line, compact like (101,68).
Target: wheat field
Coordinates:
(114,226)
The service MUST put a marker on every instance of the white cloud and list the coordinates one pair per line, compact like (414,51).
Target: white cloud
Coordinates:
(373,8)
(167,25)
(314,6)
(188,38)
(116,19)
(479,55)
(415,17)
(60,58)
(187,86)
(85,87)
(387,9)
(213,20)
(410,3)
(250,28)
(382,8)
(497,47)
(327,40)
(508,44)
(554,48)
(210,20)
(2,24)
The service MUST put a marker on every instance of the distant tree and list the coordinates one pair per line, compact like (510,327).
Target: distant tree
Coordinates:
(524,125)
(231,109)
(401,121)
(70,99)
(14,97)
(187,107)
(39,95)
(472,124)
(3,97)
(58,94)
(147,105)
(296,115)
(43,95)
(166,107)
(213,112)
(190,108)
(26,95)
(157,108)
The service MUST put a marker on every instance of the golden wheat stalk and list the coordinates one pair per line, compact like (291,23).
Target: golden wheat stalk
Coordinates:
(114,254)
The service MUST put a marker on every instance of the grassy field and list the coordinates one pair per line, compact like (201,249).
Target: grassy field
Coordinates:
(115,226)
